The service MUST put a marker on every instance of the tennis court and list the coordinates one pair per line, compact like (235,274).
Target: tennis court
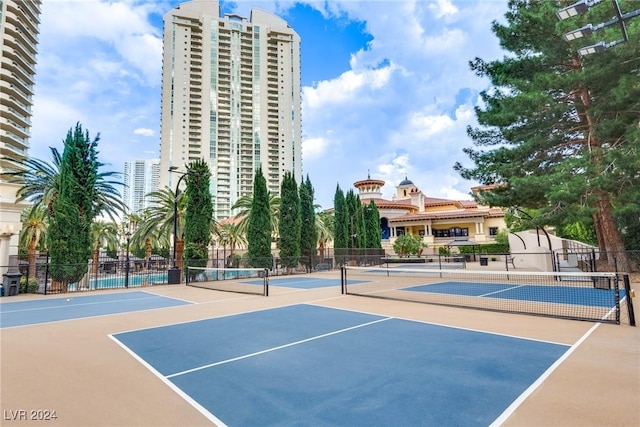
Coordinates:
(176,355)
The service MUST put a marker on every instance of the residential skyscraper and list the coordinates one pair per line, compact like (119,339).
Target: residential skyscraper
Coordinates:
(230,95)
(19,27)
(140,178)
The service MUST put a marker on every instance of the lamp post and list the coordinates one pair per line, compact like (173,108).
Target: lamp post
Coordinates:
(174,271)
(582,7)
(126,269)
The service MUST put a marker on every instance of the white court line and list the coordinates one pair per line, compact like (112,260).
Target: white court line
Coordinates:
(75,305)
(277,348)
(516,403)
(172,386)
(500,291)
(165,296)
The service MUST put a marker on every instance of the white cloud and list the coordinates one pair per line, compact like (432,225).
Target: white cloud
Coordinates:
(443,8)
(144,132)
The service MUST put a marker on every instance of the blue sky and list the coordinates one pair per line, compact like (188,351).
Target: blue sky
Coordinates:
(387,89)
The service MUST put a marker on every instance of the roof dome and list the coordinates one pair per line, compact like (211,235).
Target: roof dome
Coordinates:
(405,182)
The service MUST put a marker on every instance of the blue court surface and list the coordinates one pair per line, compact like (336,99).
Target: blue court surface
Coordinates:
(302,282)
(306,365)
(76,307)
(552,294)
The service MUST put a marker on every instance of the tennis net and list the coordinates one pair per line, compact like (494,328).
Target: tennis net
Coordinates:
(242,280)
(580,296)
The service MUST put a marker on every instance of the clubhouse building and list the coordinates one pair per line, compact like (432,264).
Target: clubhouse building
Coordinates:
(440,222)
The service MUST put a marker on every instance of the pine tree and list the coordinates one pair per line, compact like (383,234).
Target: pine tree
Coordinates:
(308,230)
(558,130)
(259,228)
(72,210)
(199,214)
(290,222)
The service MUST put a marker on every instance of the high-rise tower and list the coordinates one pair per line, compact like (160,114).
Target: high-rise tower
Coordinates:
(140,178)
(230,95)
(19,27)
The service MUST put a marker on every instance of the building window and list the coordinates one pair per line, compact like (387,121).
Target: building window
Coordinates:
(451,232)
(493,231)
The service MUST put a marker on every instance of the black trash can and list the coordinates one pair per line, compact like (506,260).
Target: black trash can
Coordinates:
(11,283)
(484,260)
(174,276)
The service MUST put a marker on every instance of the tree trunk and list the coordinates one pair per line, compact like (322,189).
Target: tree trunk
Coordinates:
(179,253)
(611,235)
(96,261)
(147,253)
(32,259)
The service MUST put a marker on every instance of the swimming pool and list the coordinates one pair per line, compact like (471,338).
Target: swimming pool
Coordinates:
(115,282)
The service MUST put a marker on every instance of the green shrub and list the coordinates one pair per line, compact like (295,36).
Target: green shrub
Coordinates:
(408,244)
(31,288)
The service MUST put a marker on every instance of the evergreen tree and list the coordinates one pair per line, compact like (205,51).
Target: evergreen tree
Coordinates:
(73,209)
(341,225)
(290,222)
(308,230)
(355,220)
(259,228)
(199,214)
(372,228)
(557,129)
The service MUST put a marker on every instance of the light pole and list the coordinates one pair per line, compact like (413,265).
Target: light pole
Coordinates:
(582,7)
(126,270)
(174,271)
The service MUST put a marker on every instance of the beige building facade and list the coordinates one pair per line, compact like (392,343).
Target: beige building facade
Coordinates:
(438,221)
(19,25)
(231,96)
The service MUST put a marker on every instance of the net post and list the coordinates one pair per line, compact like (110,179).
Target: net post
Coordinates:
(629,297)
(186,279)
(266,282)
(343,277)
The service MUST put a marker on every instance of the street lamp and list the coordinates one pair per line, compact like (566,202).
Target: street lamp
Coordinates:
(126,270)
(174,271)
(575,9)
(580,8)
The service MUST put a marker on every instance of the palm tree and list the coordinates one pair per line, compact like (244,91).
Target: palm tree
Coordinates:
(160,217)
(232,235)
(40,183)
(324,224)
(147,234)
(102,234)
(34,228)
(243,205)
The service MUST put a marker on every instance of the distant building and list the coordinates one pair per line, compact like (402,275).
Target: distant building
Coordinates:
(231,96)
(140,178)
(19,26)
(438,221)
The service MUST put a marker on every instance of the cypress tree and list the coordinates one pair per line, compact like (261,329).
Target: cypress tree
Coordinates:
(289,223)
(308,230)
(373,230)
(199,214)
(72,212)
(341,226)
(259,228)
